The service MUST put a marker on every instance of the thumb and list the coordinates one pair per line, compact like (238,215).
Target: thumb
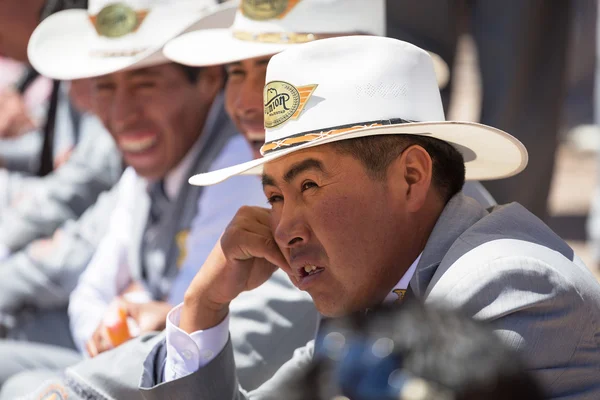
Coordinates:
(131,309)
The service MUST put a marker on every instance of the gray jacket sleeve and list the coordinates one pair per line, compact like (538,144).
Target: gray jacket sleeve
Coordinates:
(266,325)
(218,380)
(539,303)
(44,204)
(45,272)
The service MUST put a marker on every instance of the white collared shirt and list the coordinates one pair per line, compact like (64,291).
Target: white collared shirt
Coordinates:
(108,273)
(186,353)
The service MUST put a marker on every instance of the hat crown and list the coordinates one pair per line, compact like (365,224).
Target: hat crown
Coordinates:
(359,80)
(311,16)
(113,35)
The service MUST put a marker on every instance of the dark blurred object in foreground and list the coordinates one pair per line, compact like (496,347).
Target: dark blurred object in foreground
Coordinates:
(414,352)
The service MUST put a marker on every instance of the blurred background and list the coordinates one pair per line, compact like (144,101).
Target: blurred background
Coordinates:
(575,179)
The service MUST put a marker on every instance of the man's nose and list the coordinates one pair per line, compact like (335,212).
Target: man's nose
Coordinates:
(250,98)
(291,230)
(124,111)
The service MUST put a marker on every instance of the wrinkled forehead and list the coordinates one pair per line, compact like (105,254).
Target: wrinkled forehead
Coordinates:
(322,159)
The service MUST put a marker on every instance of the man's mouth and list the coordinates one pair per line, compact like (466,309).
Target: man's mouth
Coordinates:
(306,275)
(137,145)
(256,140)
(256,145)
(309,270)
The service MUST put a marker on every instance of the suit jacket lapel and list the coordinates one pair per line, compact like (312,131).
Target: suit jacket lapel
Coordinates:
(460,214)
(218,130)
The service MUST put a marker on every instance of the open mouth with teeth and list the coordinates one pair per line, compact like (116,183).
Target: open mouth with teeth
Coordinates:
(310,270)
(137,145)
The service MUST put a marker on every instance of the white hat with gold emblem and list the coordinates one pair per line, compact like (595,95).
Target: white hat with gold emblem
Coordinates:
(266,27)
(114,35)
(355,86)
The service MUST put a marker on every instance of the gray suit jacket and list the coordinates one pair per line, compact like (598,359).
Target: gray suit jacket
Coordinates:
(44,204)
(266,325)
(505,267)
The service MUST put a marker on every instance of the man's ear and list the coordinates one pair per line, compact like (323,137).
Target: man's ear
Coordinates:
(411,173)
(211,81)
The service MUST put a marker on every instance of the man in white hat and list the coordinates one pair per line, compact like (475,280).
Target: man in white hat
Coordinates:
(168,121)
(260,30)
(269,309)
(363,175)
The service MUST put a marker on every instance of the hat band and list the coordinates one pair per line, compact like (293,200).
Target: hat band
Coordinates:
(306,137)
(282,37)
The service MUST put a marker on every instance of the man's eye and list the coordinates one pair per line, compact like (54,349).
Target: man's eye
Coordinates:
(235,73)
(145,85)
(308,185)
(105,87)
(276,198)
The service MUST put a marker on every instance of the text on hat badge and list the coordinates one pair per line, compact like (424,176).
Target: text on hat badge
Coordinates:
(283,101)
(117,20)
(261,10)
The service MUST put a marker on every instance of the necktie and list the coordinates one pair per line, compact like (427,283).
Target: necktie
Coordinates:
(159,203)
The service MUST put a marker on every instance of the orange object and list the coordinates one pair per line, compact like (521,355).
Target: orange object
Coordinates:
(116,327)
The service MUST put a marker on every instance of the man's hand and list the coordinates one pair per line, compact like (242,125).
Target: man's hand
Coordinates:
(245,257)
(99,342)
(150,316)
(14,116)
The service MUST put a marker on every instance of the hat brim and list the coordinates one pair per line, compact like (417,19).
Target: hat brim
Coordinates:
(489,153)
(219,46)
(60,47)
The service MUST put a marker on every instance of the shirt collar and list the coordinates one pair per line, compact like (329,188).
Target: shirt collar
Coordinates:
(177,176)
(399,289)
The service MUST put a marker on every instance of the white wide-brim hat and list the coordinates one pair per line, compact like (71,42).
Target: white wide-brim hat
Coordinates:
(266,28)
(356,86)
(67,45)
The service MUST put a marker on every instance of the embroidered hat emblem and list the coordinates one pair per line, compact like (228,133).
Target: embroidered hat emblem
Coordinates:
(284,101)
(261,10)
(117,20)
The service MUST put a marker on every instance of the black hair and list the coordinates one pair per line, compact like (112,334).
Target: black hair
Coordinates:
(377,152)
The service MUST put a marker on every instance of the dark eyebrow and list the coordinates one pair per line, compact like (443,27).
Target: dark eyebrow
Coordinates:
(302,166)
(233,64)
(294,171)
(268,181)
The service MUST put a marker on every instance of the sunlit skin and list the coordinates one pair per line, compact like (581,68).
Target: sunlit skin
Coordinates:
(18,19)
(155,114)
(326,210)
(244,99)
(362,233)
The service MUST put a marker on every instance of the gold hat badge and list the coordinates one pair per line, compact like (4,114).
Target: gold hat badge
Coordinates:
(283,101)
(261,10)
(117,20)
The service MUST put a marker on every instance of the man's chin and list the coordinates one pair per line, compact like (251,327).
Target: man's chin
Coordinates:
(328,308)
(256,154)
